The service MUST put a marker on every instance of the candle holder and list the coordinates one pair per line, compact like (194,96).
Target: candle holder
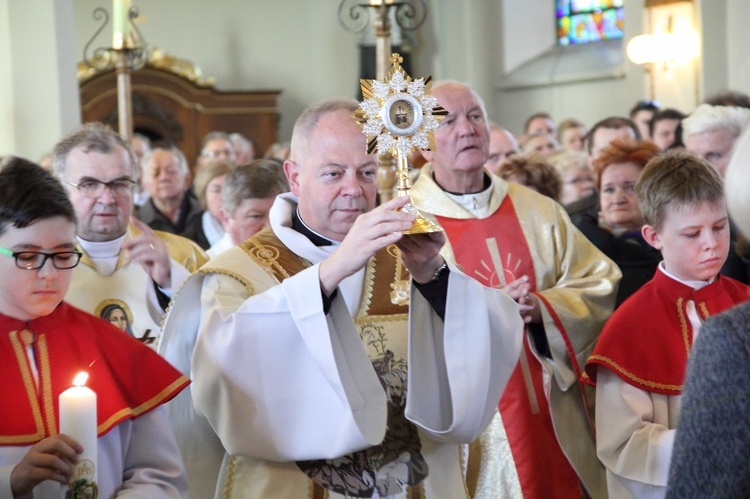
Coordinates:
(399,115)
(134,46)
(129,53)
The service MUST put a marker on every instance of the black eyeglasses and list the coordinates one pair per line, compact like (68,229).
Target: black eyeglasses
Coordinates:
(93,188)
(32,260)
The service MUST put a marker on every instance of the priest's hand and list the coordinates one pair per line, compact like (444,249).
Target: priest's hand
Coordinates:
(531,309)
(420,254)
(371,232)
(49,459)
(518,289)
(528,303)
(146,249)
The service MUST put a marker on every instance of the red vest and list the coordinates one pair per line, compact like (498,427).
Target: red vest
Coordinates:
(129,378)
(647,340)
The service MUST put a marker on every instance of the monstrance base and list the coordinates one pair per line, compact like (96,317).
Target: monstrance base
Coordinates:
(421,225)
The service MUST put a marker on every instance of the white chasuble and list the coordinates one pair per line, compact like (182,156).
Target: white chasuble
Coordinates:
(313,404)
(119,298)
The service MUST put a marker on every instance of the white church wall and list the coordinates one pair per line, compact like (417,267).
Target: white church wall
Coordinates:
(299,47)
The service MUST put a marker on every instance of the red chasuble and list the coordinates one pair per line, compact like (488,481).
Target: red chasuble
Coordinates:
(647,340)
(129,378)
(494,251)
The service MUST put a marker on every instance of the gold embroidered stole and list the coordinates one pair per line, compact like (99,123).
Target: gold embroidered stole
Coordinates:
(382,322)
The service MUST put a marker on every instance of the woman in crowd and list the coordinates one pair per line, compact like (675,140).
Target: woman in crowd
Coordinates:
(575,174)
(571,135)
(207,185)
(533,171)
(617,232)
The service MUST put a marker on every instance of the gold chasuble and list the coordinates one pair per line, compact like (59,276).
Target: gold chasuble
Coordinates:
(544,435)
(397,464)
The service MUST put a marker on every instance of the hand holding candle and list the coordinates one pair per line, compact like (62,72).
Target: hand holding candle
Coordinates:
(78,421)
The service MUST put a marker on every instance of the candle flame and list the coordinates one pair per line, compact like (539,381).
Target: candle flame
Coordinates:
(80,379)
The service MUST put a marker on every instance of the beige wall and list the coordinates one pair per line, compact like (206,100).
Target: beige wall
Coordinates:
(38,95)
(298,46)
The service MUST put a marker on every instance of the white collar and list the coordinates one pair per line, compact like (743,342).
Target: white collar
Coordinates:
(477,203)
(103,249)
(693,284)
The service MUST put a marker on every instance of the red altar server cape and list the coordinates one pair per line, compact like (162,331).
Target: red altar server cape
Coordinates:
(129,378)
(647,340)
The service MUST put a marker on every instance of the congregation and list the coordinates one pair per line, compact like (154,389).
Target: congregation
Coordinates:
(262,328)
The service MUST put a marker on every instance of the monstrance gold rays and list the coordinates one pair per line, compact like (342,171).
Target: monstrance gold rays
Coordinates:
(399,115)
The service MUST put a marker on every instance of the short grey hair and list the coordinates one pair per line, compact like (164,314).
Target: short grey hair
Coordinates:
(737,184)
(175,151)
(308,120)
(95,137)
(707,118)
(456,83)
(215,136)
(259,179)
(564,160)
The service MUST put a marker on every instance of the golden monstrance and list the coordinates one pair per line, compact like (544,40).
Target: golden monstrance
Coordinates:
(399,115)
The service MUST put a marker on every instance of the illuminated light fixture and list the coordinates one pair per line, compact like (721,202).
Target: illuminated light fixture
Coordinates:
(664,48)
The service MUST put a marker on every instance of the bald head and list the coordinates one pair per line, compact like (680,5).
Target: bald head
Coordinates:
(502,145)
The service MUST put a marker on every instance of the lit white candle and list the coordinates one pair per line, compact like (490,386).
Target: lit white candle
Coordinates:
(120,23)
(78,421)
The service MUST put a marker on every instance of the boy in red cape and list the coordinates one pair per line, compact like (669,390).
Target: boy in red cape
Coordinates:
(45,342)
(638,364)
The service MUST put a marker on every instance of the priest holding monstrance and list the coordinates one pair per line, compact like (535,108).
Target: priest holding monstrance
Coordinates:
(336,353)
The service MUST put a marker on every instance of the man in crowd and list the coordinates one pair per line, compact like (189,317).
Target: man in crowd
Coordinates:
(641,114)
(323,368)
(665,129)
(502,145)
(170,208)
(125,266)
(540,142)
(244,148)
(507,236)
(247,195)
(539,123)
(216,145)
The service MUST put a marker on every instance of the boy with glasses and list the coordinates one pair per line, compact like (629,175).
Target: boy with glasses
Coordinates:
(45,342)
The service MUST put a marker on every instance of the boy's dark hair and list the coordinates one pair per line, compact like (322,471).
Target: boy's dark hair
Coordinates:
(29,193)
(612,123)
(666,114)
(676,179)
(644,105)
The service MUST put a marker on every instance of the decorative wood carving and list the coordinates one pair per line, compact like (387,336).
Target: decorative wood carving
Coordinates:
(170,105)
